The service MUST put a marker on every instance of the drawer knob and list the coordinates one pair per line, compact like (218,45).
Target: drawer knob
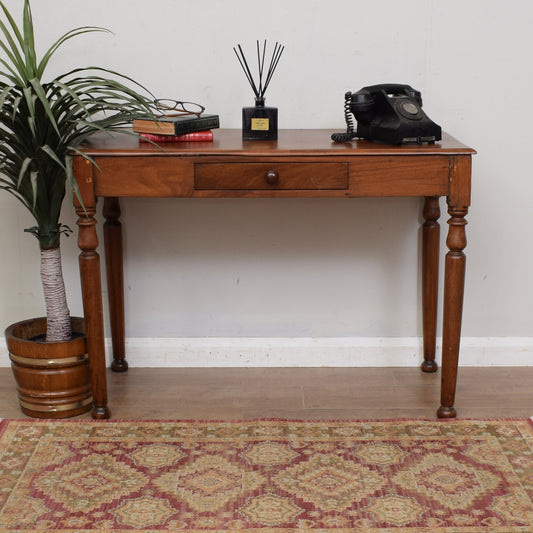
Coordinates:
(271,177)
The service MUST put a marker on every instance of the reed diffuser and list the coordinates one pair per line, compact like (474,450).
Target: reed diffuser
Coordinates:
(260,122)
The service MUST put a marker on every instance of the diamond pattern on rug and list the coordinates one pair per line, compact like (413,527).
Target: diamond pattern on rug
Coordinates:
(270,510)
(89,483)
(146,511)
(209,483)
(157,455)
(396,510)
(267,476)
(452,483)
(269,454)
(330,482)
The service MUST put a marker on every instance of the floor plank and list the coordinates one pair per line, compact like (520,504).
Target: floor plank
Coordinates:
(302,393)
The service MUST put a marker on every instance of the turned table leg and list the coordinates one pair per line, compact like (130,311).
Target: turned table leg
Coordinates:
(91,289)
(454,278)
(91,285)
(430,279)
(115,281)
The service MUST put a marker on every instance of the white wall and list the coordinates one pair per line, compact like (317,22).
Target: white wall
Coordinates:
(307,268)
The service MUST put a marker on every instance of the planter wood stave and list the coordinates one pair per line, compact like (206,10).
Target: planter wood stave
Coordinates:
(53,379)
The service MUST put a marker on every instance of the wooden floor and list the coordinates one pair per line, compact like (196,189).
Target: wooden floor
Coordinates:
(302,393)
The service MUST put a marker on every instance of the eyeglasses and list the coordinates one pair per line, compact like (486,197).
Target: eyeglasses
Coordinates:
(174,108)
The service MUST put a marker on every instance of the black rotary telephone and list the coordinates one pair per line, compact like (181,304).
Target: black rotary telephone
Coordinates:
(389,113)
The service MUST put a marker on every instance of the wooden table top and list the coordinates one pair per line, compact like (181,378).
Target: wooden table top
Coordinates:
(290,142)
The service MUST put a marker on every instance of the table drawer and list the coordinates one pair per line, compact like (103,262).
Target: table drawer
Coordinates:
(265,176)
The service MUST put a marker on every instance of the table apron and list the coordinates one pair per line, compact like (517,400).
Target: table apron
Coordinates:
(233,176)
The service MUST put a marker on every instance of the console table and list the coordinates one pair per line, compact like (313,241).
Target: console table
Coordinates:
(300,164)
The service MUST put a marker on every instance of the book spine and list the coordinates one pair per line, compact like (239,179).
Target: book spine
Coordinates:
(202,123)
(197,136)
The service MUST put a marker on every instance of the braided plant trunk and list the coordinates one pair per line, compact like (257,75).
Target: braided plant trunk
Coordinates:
(58,324)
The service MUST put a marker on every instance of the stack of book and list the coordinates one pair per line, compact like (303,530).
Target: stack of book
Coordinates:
(176,129)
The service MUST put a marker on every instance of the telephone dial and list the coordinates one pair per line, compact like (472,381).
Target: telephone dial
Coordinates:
(388,113)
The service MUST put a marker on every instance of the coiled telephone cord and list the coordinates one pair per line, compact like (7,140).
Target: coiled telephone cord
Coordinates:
(350,129)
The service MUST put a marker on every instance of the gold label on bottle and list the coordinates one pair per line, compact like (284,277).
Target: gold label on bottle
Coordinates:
(260,124)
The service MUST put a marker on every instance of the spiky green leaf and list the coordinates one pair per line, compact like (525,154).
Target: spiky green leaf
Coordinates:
(39,91)
(33,179)
(29,41)
(48,151)
(67,36)
(23,168)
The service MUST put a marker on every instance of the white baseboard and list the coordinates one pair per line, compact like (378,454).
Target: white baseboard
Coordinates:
(310,352)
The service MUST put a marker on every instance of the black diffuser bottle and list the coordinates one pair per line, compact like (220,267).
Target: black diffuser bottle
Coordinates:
(260,123)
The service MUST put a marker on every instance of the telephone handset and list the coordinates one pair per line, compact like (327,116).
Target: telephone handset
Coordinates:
(389,113)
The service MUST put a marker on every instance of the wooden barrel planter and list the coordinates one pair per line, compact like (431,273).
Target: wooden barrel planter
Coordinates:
(53,379)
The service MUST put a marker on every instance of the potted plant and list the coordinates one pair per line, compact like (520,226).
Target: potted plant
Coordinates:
(41,125)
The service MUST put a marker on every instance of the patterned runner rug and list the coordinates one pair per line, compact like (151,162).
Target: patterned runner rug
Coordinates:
(276,476)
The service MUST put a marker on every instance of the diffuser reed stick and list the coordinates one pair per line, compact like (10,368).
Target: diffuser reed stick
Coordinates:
(260,88)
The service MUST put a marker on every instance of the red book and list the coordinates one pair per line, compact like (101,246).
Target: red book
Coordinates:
(206,135)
